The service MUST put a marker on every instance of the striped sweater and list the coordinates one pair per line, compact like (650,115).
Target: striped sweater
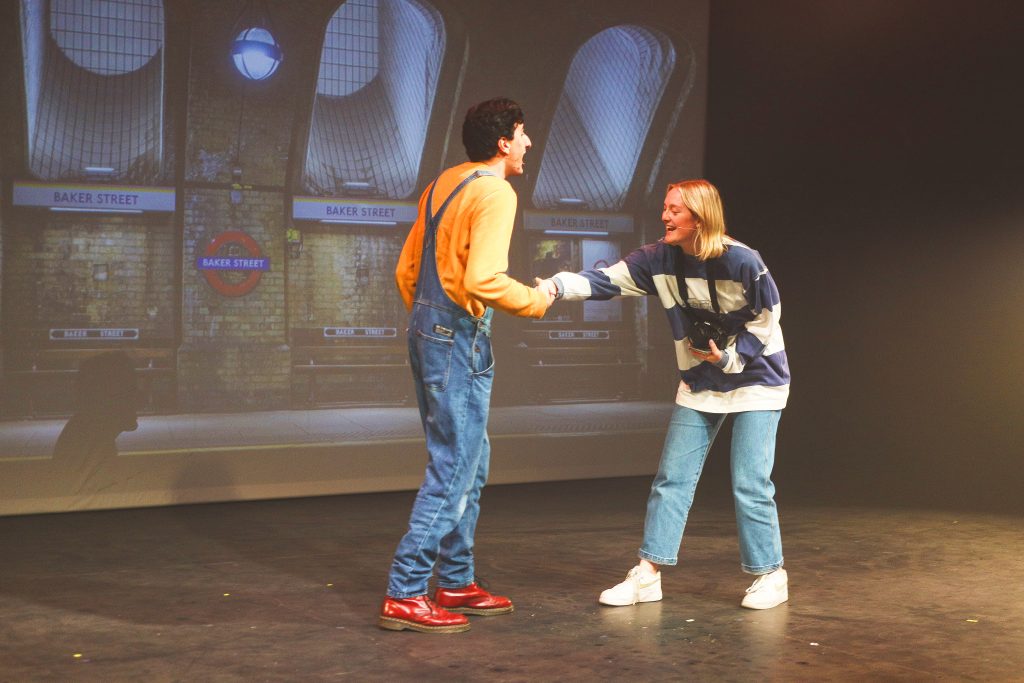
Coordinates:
(754,374)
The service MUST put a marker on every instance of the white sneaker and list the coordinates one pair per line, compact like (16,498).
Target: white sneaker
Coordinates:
(640,586)
(768,590)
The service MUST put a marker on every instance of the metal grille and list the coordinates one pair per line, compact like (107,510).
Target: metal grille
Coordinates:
(609,99)
(375,93)
(94,85)
(106,36)
(350,59)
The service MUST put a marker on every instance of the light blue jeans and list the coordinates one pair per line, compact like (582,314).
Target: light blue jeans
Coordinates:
(453,369)
(689,438)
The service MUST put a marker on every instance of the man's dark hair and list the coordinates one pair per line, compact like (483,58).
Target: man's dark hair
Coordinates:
(486,123)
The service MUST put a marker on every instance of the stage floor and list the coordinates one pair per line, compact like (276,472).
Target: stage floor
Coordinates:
(335,427)
(288,590)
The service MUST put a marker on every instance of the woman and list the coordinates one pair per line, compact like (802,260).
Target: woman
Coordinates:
(724,311)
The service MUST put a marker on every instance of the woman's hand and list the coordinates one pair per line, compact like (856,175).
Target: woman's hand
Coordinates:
(548,288)
(712,356)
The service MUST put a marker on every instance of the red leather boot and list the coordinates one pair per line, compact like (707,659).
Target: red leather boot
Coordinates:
(419,614)
(472,600)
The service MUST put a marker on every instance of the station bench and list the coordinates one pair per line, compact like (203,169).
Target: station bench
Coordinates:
(574,368)
(349,371)
(41,381)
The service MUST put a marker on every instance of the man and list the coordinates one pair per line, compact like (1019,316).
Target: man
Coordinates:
(451,275)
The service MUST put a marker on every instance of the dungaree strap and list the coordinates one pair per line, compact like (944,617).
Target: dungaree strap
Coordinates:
(434,220)
(428,277)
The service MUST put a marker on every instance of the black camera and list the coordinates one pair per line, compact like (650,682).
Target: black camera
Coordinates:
(703,331)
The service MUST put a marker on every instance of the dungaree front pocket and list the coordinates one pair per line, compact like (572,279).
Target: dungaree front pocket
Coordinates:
(483,357)
(435,354)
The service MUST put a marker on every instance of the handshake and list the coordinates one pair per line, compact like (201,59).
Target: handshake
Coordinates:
(549,288)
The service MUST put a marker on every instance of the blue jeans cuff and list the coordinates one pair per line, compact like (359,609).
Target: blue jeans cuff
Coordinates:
(656,559)
(766,569)
(456,583)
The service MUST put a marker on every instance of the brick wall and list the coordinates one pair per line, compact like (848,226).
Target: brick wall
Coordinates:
(248,124)
(233,354)
(76,270)
(347,279)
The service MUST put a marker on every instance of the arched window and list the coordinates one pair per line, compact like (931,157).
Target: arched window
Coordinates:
(94,72)
(375,91)
(611,93)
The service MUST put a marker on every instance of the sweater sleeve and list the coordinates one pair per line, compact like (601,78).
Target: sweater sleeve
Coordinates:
(629,277)
(489,239)
(761,318)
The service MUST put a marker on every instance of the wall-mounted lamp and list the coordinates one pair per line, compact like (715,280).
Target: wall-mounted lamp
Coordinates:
(294,241)
(236,181)
(255,50)
(256,53)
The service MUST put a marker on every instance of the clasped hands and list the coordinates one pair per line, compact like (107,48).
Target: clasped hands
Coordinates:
(548,288)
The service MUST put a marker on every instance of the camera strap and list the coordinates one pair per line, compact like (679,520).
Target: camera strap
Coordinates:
(680,267)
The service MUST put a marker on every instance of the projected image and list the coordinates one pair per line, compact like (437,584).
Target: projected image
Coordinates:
(378,77)
(94,90)
(237,238)
(547,258)
(220,192)
(608,102)
(601,254)
(552,256)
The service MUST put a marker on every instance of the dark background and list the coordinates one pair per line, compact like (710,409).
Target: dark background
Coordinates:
(871,152)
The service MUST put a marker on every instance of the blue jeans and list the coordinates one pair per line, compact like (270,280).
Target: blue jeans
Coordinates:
(689,438)
(453,368)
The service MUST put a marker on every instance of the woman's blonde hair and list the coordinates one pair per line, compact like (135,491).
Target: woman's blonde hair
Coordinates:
(704,202)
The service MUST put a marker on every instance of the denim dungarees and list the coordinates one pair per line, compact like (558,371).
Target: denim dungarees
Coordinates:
(452,367)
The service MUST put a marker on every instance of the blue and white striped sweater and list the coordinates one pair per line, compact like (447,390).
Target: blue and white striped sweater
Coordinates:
(756,373)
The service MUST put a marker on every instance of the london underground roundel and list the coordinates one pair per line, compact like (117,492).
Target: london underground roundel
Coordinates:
(232,263)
